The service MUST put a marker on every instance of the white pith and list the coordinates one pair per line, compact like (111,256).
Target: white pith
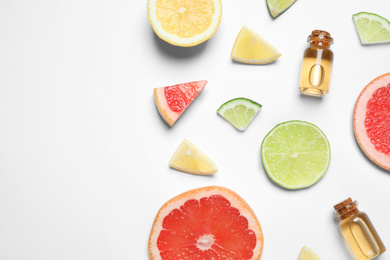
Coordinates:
(359,117)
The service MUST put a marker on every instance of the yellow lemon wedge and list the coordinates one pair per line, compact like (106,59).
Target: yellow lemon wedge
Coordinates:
(188,158)
(308,254)
(184,23)
(251,48)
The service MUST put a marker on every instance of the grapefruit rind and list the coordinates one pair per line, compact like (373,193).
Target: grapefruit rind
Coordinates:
(184,41)
(162,106)
(235,201)
(359,128)
(207,166)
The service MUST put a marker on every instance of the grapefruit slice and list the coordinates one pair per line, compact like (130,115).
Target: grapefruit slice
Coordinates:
(172,101)
(371,120)
(206,223)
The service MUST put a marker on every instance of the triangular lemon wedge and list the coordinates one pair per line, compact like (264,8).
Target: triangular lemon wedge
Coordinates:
(251,48)
(308,254)
(188,158)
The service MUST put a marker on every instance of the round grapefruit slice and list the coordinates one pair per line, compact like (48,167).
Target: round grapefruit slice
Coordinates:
(172,101)
(209,223)
(371,120)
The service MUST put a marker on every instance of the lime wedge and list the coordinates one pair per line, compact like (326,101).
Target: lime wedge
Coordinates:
(295,154)
(372,28)
(276,7)
(308,254)
(239,112)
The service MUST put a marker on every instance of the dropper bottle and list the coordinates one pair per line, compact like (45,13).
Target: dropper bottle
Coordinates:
(358,231)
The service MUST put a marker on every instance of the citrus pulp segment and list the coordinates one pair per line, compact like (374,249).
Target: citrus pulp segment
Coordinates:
(251,48)
(206,223)
(172,101)
(239,112)
(308,254)
(371,120)
(276,7)
(184,22)
(188,158)
(295,154)
(372,28)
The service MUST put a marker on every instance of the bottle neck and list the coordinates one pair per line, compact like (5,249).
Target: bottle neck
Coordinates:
(346,209)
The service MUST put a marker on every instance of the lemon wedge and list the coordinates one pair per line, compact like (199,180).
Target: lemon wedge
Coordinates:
(308,254)
(184,23)
(188,158)
(251,48)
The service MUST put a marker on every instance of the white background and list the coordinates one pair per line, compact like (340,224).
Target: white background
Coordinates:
(84,153)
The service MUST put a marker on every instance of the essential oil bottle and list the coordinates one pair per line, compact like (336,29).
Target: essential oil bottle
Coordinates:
(358,231)
(317,64)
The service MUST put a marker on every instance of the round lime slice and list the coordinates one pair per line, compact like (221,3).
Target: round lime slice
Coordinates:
(372,28)
(239,112)
(295,154)
(276,7)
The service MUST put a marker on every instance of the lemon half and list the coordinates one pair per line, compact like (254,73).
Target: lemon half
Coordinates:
(185,22)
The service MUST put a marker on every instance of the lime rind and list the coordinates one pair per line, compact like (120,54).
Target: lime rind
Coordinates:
(239,112)
(372,28)
(277,155)
(277,7)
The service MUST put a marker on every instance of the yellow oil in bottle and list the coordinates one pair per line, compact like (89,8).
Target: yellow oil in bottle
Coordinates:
(359,233)
(317,64)
(316,71)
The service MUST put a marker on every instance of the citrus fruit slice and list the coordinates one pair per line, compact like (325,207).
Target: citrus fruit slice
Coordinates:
(206,223)
(371,120)
(372,28)
(172,101)
(188,158)
(295,154)
(239,112)
(251,48)
(276,7)
(308,254)
(185,22)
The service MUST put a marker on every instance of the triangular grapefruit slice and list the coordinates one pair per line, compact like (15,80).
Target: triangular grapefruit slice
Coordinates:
(172,101)
(371,120)
(206,223)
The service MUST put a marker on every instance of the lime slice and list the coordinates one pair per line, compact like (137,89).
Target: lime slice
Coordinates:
(372,28)
(308,254)
(251,48)
(295,154)
(276,7)
(239,112)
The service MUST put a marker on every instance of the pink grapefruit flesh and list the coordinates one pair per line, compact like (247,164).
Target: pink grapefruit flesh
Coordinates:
(210,223)
(371,120)
(172,101)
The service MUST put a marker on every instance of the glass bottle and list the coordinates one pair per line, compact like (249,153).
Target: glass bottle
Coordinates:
(358,231)
(317,64)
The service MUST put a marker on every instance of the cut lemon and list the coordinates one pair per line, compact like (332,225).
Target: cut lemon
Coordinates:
(251,48)
(239,112)
(295,154)
(308,254)
(188,158)
(372,28)
(185,22)
(276,7)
